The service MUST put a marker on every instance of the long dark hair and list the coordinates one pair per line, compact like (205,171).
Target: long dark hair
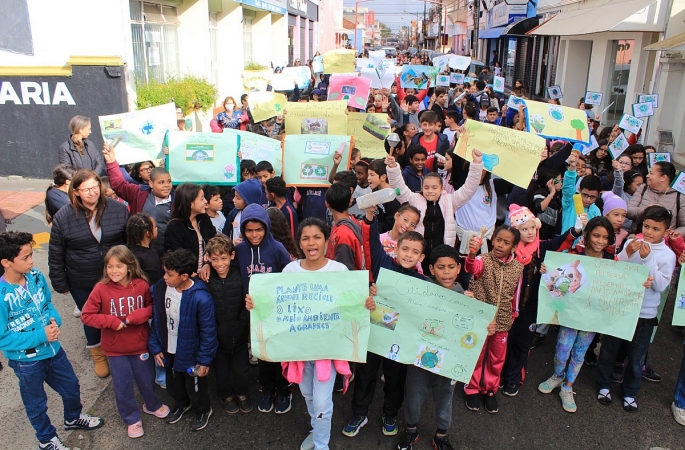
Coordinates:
(185,194)
(80,177)
(135,170)
(460,170)
(60,175)
(137,227)
(281,232)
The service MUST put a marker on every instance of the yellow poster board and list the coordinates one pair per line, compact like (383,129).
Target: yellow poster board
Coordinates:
(510,154)
(265,105)
(256,79)
(316,117)
(557,122)
(339,61)
(369,132)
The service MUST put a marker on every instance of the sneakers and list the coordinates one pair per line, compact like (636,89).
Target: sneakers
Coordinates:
(590,358)
(617,374)
(442,443)
(408,440)
(246,404)
(472,402)
(351,429)
(253,360)
(84,422)
(538,339)
(389,425)
(510,389)
(490,402)
(136,430)
(283,403)
(266,404)
(53,444)
(678,414)
(230,405)
(550,384)
(650,375)
(308,443)
(200,421)
(176,413)
(161,413)
(567,400)
(76,312)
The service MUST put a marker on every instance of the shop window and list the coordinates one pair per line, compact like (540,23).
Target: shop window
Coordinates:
(154,29)
(509,70)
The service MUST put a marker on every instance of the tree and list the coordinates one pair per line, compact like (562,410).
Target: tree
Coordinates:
(579,126)
(386,32)
(264,307)
(348,305)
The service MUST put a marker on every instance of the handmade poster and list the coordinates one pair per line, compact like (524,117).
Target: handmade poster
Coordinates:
(204,157)
(301,74)
(369,131)
(282,82)
(259,148)
(470,80)
(442,80)
(630,123)
(591,294)
(498,84)
(458,62)
(418,77)
(423,324)
(618,146)
(644,109)
(141,132)
(656,157)
(557,122)
(265,105)
(316,117)
(515,102)
(585,149)
(377,55)
(310,158)
(555,92)
(256,79)
(361,63)
(300,317)
(653,98)
(338,61)
(679,310)
(593,98)
(317,64)
(457,78)
(351,88)
(510,154)
(678,182)
(378,80)
(442,62)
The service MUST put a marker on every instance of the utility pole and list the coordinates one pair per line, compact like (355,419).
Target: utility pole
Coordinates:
(423,25)
(476,25)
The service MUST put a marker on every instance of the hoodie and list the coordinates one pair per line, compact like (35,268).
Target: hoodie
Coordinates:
(268,257)
(251,191)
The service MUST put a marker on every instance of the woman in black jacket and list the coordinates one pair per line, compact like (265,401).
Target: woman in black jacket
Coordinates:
(80,238)
(78,150)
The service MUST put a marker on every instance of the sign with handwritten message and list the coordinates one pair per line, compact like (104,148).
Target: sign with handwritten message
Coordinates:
(421,323)
(256,79)
(265,105)
(338,61)
(310,158)
(592,294)
(141,132)
(557,122)
(204,157)
(259,148)
(351,88)
(369,131)
(300,317)
(509,154)
(316,117)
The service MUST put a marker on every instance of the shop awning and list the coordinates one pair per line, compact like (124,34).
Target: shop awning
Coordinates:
(675,43)
(630,15)
(492,33)
(521,27)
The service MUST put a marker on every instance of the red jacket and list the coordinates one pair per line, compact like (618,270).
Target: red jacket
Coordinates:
(132,193)
(346,245)
(109,305)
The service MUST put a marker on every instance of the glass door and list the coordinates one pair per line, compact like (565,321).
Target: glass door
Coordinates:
(621,58)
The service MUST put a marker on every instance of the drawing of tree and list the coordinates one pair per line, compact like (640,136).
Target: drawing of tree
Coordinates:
(579,126)
(347,304)
(264,307)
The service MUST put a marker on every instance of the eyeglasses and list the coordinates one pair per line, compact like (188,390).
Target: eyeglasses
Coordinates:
(557,181)
(145,169)
(92,190)
(624,163)
(407,222)
(588,196)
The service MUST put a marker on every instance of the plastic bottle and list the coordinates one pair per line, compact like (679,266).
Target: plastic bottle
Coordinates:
(375,198)
(192,371)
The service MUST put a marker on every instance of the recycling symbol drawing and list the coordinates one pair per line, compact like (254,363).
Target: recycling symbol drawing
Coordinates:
(320,171)
(307,170)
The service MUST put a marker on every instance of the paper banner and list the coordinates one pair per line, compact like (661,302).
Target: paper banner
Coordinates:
(652,98)
(423,324)
(510,154)
(369,131)
(379,80)
(498,84)
(442,62)
(338,61)
(557,122)
(630,123)
(265,105)
(282,82)
(593,98)
(645,109)
(585,149)
(259,148)
(618,146)
(141,132)
(316,117)
(555,92)
(458,62)
(678,183)
(302,317)
(592,294)
(317,64)
(310,158)
(204,157)
(417,77)
(362,63)
(656,157)
(457,78)
(442,80)
(256,79)
(514,102)
(351,88)
(301,74)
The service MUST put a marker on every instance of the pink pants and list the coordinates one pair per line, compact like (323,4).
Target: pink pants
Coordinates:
(488,369)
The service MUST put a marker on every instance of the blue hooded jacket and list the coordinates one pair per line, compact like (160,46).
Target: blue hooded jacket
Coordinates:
(250,191)
(270,256)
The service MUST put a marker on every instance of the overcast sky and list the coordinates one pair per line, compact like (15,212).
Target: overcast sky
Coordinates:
(391,12)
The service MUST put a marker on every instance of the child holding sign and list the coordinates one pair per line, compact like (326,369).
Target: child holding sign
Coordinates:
(316,378)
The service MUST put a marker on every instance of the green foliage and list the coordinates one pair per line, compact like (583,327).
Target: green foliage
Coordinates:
(190,93)
(578,124)
(251,65)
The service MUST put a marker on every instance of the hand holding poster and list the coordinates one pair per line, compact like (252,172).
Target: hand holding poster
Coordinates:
(298,319)
(310,158)
(204,157)
(259,148)
(421,323)
(369,131)
(265,105)
(141,132)
(338,61)
(618,146)
(591,294)
(630,123)
(316,117)
(557,122)
(509,154)
(351,88)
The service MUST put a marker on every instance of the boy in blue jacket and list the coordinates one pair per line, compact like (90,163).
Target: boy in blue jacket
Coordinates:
(246,193)
(29,333)
(589,189)
(183,336)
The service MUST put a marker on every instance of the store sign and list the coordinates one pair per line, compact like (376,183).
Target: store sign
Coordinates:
(266,6)
(30,92)
(503,14)
(298,5)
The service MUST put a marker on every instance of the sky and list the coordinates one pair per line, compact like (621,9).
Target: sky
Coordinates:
(391,12)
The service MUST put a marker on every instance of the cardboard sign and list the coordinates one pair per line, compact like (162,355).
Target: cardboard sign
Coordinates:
(644,109)
(204,157)
(652,98)
(353,89)
(498,84)
(618,146)
(593,98)
(457,78)
(442,80)
(316,117)
(369,131)
(310,158)
(417,77)
(265,105)
(630,123)
(554,92)
(678,183)
(656,157)
(557,122)
(338,61)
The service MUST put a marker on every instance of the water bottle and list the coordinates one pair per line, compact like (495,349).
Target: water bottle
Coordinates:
(192,371)
(376,198)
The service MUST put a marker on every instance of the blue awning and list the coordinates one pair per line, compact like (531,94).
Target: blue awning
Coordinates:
(492,33)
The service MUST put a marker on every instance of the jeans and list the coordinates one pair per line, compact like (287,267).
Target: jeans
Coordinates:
(420,383)
(366,377)
(679,396)
(232,372)
(59,375)
(571,347)
(125,370)
(92,334)
(186,390)
(636,350)
(319,398)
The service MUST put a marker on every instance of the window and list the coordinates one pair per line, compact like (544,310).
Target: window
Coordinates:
(155,41)
(248,17)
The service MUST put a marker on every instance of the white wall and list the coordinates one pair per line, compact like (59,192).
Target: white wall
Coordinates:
(193,38)
(230,49)
(576,64)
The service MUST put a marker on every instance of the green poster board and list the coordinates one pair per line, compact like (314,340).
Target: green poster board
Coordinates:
(305,317)
(259,148)
(420,323)
(592,294)
(204,158)
(679,309)
(308,158)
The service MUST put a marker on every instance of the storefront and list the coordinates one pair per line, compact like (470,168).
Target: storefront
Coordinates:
(303,18)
